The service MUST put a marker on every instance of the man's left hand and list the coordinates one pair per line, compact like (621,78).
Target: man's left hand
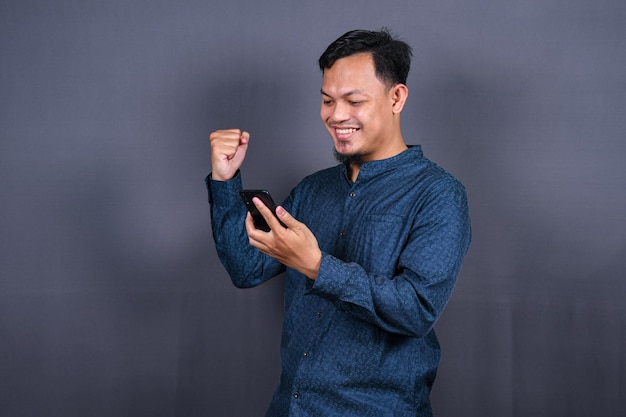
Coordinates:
(295,246)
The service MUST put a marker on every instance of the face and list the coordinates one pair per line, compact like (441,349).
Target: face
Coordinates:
(360,112)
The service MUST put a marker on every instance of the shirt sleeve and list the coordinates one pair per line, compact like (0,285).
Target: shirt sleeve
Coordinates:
(246,266)
(410,302)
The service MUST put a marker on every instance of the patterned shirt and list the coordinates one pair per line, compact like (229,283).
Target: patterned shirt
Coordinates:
(359,340)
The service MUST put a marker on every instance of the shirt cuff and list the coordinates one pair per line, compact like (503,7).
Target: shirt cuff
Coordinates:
(223,190)
(331,278)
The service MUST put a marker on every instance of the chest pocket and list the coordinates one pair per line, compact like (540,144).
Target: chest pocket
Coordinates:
(377,241)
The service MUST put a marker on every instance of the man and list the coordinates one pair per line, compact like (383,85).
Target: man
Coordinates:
(372,246)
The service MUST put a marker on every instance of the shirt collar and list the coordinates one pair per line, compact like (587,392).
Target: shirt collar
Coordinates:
(372,169)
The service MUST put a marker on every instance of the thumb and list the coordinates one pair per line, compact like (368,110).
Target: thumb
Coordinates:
(242,148)
(286,218)
(244,139)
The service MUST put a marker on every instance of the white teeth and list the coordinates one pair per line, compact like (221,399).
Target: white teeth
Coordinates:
(345,131)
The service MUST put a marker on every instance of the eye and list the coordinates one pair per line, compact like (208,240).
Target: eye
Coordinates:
(327,102)
(356,103)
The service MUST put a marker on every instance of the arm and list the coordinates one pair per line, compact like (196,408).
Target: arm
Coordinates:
(428,263)
(246,266)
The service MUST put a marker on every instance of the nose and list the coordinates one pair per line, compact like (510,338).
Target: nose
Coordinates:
(336,113)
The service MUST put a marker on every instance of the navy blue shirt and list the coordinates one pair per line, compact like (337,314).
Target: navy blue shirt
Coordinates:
(359,340)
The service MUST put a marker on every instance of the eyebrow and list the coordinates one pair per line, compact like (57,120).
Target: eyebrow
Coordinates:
(347,94)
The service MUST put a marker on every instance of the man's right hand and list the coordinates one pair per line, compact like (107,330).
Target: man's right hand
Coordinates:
(228,150)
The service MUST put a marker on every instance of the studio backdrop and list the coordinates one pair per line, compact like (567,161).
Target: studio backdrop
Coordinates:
(112,299)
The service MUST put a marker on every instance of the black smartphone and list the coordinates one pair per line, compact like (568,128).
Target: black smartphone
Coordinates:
(266,198)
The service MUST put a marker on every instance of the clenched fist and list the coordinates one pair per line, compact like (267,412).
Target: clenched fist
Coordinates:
(228,150)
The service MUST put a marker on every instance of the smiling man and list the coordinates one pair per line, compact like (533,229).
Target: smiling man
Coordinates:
(372,247)
(361,111)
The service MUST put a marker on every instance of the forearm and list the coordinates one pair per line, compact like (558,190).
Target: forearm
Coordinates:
(246,266)
(399,304)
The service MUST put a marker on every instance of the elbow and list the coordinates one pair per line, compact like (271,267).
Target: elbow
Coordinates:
(243,282)
(423,321)
(421,326)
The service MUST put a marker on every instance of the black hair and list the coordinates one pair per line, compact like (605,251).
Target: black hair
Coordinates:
(392,57)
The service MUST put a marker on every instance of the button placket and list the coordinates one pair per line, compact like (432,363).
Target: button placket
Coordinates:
(351,196)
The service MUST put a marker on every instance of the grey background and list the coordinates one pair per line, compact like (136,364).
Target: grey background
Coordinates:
(112,300)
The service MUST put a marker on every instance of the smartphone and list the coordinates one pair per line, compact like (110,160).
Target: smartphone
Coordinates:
(257,217)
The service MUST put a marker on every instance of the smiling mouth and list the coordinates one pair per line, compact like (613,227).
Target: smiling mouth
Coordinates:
(344,133)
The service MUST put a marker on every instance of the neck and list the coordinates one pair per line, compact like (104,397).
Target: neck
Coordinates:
(354,163)
(353,171)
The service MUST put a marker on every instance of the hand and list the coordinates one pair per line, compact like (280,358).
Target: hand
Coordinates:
(295,246)
(228,150)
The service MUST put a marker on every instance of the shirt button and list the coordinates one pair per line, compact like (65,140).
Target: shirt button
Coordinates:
(306,354)
(296,395)
(319,314)
(342,234)
(352,194)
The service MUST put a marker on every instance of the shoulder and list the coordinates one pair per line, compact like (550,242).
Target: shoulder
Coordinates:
(323,178)
(437,184)
(320,186)
(326,173)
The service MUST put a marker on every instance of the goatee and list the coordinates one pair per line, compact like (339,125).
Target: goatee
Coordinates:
(352,159)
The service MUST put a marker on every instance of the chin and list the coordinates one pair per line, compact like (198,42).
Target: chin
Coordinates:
(348,159)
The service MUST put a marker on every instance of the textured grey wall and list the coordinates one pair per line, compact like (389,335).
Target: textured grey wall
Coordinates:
(112,301)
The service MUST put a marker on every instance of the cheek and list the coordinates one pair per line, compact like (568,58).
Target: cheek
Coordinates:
(324,113)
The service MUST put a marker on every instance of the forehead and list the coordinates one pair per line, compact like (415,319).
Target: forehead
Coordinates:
(353,73)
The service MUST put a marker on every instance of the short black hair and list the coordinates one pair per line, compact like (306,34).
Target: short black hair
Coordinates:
(392,57)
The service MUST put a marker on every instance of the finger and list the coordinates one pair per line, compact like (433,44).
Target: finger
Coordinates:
(229,144)
(253,232)
(225,140)
(220,135)
(286,217)
(267,214)
(249,223)
(234,137)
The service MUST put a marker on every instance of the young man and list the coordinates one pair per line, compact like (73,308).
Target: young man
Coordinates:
(372,247)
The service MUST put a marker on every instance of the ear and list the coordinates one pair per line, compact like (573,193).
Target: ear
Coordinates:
(398,94)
